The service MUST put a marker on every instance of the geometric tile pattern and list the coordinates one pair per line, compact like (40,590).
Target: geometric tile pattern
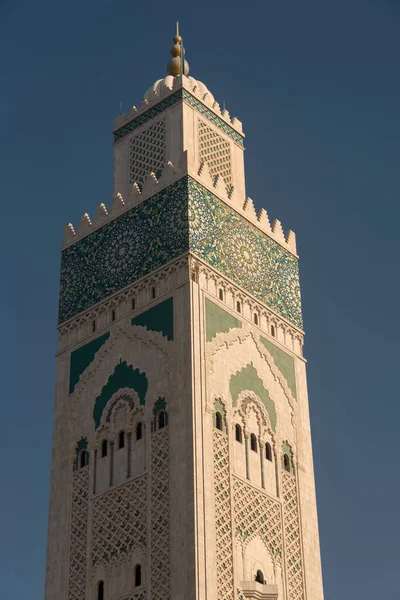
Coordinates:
(147,153)
(119,522)
(78,535)
(125,249)
(230,244)
(216,152)
(160,584)
(294,567)
(257,514)
(223,524)
(183,217)
(121,132)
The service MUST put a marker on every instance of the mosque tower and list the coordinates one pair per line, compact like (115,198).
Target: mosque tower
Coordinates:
(182,464)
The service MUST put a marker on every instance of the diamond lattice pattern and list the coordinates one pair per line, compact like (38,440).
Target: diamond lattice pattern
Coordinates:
(147,153)
(223,524)
(119,522)
(160,585)
(137,596)
(294,565)
(215,151)
(257,514)
(78,535)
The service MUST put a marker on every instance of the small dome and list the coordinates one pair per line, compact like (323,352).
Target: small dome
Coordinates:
(154,92)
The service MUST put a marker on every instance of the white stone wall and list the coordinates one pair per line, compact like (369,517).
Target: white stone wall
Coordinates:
(167,365)
(216,361)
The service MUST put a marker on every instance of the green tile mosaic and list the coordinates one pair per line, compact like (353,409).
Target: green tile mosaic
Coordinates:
(284,362)
(218,320)
(124,376)
(159,318)
(125,249)
(225,240)
(185,216)
(170,101)
(248,379)
(81,359)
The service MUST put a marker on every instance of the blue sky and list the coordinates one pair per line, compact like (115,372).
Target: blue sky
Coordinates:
(316,85)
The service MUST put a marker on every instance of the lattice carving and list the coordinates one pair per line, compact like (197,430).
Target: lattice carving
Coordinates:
(216,152)
(147,153)
(136,596)
(78,535)
(257,514)
(119,522)
(294,566)
(223,522)
(160,582)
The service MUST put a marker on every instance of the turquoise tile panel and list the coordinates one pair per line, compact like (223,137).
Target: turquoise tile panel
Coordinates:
(81,359)
(158,318)
(124,250)
(185,216)
(225,240)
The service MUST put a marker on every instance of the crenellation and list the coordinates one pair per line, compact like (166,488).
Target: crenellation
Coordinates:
(117,206)
(100,215)
(69,235)
(85,226)
(248,208)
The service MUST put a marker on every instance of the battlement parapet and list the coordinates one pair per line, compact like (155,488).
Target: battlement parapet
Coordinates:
(171,174)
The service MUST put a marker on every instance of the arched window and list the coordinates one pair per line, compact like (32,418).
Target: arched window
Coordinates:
(121,440)
(286,463)
(238,433)
(161,419)
(153,292)
(100,590)
(133,303)
(221,294)
(238,307)
(268,451)
(255,319)
(103,448)
(253,442)
(260,576)
(82,459)
(113,315)
(273,330)
(218,421)
(93,326)
(139,431)
(138,575)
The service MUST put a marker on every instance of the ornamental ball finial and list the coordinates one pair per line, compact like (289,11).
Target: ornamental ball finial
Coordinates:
(174,66)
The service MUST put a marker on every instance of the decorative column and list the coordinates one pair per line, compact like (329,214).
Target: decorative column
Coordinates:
(94,471)
(246,447)
(111,462)
(261,448)
(129,450)
(276,474)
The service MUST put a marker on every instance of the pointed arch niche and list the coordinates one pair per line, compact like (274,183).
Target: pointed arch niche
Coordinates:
(253,559)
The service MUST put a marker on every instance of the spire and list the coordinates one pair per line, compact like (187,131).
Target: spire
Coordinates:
(174,66)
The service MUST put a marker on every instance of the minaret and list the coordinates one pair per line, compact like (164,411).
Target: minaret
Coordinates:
(182,463)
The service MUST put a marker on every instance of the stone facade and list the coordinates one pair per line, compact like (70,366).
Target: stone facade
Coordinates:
(182,463)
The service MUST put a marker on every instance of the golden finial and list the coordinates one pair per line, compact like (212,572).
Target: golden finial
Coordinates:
(177,61)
